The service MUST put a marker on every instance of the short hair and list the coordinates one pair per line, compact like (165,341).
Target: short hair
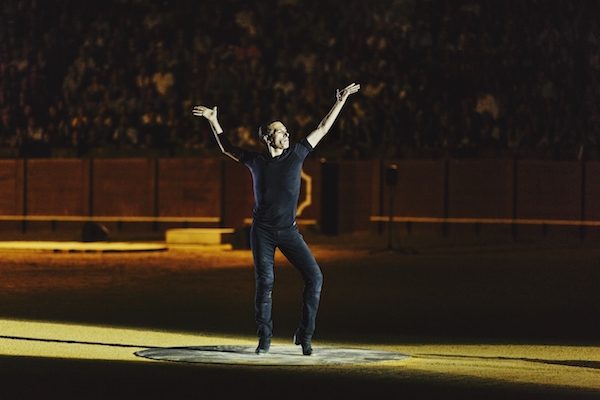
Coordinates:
(264,130)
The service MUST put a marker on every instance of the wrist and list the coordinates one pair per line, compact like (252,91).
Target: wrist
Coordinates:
(217,127)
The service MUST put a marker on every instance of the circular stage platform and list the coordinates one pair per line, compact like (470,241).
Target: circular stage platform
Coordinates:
(81,247)
(278,355)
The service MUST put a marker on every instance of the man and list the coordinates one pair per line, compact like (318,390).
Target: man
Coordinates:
(276,183)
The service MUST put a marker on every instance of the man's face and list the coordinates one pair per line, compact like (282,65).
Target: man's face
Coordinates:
(279,138)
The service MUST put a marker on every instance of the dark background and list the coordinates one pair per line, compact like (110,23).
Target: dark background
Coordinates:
(439,78)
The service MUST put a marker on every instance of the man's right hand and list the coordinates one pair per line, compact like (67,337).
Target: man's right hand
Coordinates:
(209,113)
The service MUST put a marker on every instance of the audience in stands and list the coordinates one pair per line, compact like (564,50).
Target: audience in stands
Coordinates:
(464,78)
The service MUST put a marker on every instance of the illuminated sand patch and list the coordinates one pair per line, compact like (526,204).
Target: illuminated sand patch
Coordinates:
(92,342)
(83,247)
(61,340)
(567,366)
(278,355)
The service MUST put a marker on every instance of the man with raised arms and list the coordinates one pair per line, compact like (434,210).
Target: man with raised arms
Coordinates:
(276,183)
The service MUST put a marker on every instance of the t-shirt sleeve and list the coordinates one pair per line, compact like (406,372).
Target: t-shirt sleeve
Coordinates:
(248,156)
(303,148)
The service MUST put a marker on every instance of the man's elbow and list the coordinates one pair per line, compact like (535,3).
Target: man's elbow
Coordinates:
(320,131)
(315,137)
(227,153)
(231,155)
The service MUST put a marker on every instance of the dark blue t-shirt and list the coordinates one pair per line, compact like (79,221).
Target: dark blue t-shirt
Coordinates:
(276,183)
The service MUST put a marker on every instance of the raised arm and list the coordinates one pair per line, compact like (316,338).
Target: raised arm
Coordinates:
(224,144)
(341,96)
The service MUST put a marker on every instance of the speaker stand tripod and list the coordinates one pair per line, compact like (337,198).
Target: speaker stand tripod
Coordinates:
(391,180)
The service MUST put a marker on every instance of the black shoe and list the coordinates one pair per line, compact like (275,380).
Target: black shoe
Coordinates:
(263,346)
(306,346)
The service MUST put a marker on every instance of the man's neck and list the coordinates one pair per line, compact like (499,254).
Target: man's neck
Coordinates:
(275,152)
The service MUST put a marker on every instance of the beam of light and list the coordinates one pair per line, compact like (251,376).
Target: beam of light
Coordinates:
(568,366)
(78,341)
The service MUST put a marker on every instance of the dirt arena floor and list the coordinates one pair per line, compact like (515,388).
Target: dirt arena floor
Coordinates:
(516,321)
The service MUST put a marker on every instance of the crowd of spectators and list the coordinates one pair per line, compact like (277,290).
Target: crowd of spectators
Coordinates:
(463,78)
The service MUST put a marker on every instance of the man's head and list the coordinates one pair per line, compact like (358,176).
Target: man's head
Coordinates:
(275,135)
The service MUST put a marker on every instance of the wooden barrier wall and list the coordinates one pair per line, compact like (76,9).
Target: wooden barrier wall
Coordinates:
(12,190)
(591,196)
(357,181)
(217,187)
(483,189)
(548,190)
(525,189)
(11,187)
(124,187)
(237,194)
(419,192)
(189,187)
(58,187)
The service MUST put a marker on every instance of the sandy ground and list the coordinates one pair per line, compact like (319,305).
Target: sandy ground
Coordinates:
(493,321)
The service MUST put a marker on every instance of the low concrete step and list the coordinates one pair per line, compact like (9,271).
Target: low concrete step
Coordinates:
(201,236)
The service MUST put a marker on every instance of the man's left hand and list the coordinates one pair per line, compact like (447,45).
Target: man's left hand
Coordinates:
(343,94)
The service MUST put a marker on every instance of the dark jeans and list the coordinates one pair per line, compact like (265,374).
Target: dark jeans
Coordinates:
(291,243)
